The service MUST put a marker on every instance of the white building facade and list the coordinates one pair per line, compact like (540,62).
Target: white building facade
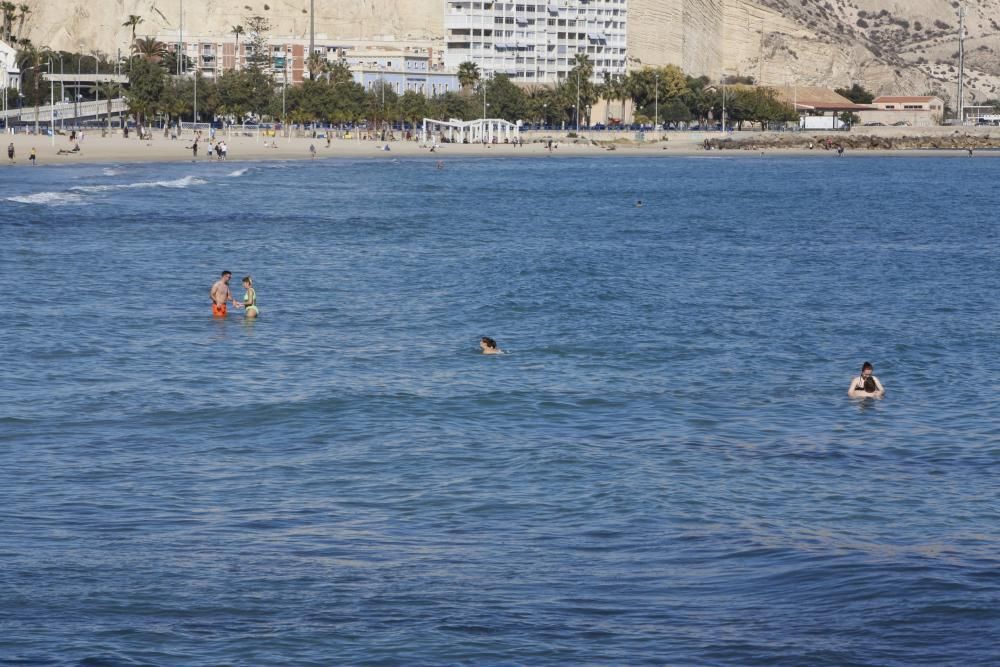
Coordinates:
(533,41)
(10,73)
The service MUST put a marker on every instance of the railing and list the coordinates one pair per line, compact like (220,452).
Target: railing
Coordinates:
(65,111)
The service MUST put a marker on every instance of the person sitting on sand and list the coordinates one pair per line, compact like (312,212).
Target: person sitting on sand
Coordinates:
(249,298)
(866,385)
(489,346)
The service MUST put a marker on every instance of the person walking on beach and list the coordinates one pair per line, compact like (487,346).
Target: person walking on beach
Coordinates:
(10,152)
(194,147)
(33,156)
(312,150)
(225,149)
(866,385)
(221,295)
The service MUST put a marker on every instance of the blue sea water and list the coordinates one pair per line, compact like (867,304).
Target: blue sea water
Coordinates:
(663,469)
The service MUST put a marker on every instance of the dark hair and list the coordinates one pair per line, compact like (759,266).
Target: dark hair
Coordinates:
(489,342)
(227,273)
(867,366)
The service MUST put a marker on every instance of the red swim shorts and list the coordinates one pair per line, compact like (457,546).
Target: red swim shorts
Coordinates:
(219,309)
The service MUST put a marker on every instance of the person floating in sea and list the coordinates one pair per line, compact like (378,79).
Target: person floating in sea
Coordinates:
(638,203)
(10,152)
(866,385)
(221,295)
(249,298)
(489,346)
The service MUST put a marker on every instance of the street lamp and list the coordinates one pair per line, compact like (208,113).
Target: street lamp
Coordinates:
(578,100)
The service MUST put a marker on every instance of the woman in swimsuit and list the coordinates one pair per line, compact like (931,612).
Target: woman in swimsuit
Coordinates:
(866,385)
(250,298)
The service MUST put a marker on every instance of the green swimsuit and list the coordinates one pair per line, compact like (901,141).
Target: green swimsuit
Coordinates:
(250,301)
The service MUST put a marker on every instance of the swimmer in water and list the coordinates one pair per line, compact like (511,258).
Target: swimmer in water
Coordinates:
(488,345)
(638,203)
(249,298)
(866,385)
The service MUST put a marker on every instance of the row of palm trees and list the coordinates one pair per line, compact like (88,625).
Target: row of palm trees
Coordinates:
(13,14)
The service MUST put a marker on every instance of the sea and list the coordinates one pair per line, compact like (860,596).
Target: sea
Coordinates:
(662,468)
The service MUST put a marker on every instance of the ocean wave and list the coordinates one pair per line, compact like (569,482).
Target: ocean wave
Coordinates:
(110,171)
(49,198)
(185,182)
(238,172)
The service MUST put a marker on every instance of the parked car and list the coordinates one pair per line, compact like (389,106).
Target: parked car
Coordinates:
(901,123)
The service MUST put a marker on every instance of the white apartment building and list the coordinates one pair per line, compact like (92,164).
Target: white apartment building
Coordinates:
(534,41)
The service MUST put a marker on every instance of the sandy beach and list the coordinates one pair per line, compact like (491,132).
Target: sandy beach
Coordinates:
(116,149)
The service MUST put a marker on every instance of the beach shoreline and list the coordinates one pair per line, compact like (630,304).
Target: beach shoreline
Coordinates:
(117,150)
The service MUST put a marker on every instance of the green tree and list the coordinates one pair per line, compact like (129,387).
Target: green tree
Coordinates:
(33,57)
(505,99)
(454,105)
(146,81)
(413,107)
(656,85)
(257,28)
(577,89)
(849,119)
(248,91)
(381,103)
(543,105)
(468,75)
(857,94)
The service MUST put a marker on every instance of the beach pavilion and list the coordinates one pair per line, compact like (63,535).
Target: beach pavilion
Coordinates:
(481,130)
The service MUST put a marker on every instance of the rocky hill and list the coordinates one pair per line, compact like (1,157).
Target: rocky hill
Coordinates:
(891,46)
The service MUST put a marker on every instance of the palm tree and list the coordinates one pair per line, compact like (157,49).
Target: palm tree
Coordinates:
(109,90)
(25,10)
(133,22)
(9,10)
(468,74)
(237,30)
(32,57)
(149,48)
(317,64)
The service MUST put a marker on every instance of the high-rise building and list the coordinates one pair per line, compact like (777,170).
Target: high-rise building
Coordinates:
(534,41)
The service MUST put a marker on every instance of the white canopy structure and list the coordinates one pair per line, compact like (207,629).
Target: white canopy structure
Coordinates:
(481,130)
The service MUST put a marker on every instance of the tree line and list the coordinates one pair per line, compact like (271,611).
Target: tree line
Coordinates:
(330,95)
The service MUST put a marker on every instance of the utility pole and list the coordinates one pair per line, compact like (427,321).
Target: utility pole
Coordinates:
(961,64)
(312,30)
(180,39)
(723,102)
(656,99)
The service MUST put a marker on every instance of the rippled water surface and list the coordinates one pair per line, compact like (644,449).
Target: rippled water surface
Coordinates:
(663,469)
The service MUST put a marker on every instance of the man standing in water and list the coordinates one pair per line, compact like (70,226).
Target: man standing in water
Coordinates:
(221,295)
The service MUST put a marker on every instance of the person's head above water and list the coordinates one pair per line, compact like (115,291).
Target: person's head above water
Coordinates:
(866,369)
(488,345)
